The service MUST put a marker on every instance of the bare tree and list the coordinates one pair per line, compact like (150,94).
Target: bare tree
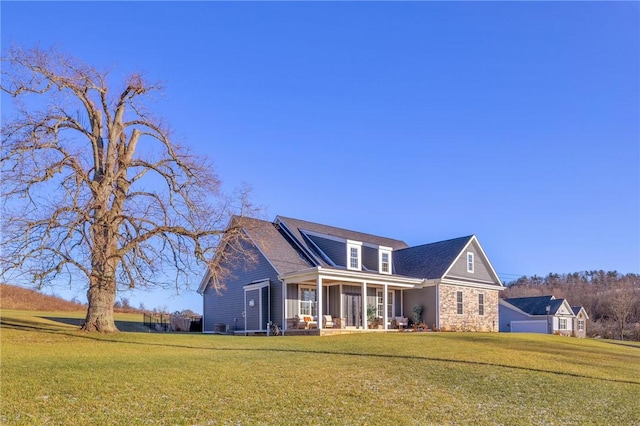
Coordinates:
(94,190)
(622,303)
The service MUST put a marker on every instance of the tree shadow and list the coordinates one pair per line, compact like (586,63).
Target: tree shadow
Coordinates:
(123,326)
(620,343)
(23,324)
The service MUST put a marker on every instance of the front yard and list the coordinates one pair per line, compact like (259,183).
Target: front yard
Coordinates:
(53,374)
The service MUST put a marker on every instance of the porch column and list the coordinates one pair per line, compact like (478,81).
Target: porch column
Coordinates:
(284,307)
(341,311)
(385,302)
(364,306)
(319,296)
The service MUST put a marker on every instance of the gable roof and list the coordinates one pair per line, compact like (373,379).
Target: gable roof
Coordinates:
(576,310)
(289,246)
(270,242)
(429,261)
(536,305)
(274,246)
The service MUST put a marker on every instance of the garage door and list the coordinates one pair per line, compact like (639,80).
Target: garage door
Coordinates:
(537,326)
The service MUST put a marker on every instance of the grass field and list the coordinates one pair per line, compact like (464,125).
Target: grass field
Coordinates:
(54,374)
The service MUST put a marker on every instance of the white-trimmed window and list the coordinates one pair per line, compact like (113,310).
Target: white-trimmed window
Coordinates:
(481,304)
(580,325)
(384,257)
(380,304)
(470,262)
(562,323)
(354,257)
(308,300)
(459,303)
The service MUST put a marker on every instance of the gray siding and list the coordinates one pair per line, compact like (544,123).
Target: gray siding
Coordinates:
(335,250)
(292,300)
(481,270)
(507,315)
(228,306)
(425,297)
(333,301)
(370,258)
(352,289)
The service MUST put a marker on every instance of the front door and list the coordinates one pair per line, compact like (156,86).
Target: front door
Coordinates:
(354,309)
(253,310)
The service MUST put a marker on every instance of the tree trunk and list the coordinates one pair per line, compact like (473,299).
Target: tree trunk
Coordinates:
(101,297)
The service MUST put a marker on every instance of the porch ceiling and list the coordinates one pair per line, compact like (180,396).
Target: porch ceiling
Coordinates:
(342,276)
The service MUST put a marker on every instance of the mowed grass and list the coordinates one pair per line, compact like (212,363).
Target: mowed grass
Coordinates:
(54,374)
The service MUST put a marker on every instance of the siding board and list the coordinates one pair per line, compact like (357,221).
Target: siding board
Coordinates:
(335,250)
(480,270)
(370,258)
(228,306)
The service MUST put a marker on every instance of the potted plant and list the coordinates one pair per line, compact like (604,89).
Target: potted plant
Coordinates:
(417,314)
(371,314)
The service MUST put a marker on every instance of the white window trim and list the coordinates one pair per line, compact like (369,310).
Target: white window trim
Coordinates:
(561,322)
(301,288)
(358,246)
(384,250)
(390,302)
(483,304)
(470,256)
(461,303)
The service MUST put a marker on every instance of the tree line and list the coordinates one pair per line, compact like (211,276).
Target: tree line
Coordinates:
(611,299)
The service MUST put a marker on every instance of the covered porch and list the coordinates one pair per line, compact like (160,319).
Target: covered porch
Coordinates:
(336,301)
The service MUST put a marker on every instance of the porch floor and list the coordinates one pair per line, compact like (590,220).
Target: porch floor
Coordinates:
(335,331)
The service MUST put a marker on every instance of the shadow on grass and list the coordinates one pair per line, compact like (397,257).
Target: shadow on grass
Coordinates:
(620,343)
(39,327)
(123,326)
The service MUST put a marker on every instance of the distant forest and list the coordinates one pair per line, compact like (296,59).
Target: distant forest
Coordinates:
(611,299)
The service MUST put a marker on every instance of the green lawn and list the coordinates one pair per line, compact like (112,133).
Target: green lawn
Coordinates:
(53,374)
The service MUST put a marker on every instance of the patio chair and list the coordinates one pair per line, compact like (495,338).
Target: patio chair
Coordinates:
(327,321)
(402,322)
(306,321)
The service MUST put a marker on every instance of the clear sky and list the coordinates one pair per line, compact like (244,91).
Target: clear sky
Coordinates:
(422,121)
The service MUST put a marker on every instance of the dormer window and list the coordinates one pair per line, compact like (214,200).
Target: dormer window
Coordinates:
(354,257)
(384,256)
(470,262)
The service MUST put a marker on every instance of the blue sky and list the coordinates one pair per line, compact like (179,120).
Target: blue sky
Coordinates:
(515,121)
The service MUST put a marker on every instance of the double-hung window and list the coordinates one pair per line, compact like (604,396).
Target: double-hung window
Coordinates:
(481,304)
(562,323)
(354,258)
(459,302)
(470,262)
(384,260)
(380,303)
(308,301)
(581,325)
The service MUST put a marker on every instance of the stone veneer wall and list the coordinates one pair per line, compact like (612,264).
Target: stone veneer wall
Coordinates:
(470,320)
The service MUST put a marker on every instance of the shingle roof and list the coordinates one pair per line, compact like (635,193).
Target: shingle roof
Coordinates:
(429,261)
(296,225)
(576,309)
(536,305)
(282,255)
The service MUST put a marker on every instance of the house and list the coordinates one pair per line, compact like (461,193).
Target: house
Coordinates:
(320,279)
(542,314)
(579,321)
